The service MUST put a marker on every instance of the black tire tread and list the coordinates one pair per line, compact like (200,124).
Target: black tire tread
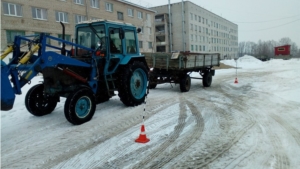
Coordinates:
(124,91)
(30,102)
(185,79)
(207,79)
(72,99)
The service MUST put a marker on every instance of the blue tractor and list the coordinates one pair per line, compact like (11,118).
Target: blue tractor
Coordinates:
(103,59)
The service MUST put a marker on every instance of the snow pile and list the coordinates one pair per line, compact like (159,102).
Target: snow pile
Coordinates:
(245,62)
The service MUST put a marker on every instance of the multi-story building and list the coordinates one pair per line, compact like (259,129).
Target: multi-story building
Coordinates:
(28,17)
(194,29)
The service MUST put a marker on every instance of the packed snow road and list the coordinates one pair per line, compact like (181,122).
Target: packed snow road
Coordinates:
(252,124)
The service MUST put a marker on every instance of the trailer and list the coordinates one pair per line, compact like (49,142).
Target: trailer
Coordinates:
(176,68)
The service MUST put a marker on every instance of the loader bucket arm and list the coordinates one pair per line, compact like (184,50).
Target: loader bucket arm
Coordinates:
(7,92)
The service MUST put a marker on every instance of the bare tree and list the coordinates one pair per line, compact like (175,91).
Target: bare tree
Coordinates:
(265,49)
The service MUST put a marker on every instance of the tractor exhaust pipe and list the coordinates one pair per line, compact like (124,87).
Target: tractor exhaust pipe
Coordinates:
(63,49)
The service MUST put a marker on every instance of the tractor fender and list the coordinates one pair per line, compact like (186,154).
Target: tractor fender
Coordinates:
(130,59)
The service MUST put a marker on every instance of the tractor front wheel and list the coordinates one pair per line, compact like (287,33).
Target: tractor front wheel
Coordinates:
(39,103)
(80,106)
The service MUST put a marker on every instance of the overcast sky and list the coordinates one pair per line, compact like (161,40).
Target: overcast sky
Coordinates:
(256,19)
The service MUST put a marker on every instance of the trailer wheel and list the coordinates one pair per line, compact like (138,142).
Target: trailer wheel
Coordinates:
(152,85)
(152,81)
(207,79)
(185,83)
(39,103)
(80,106)
(133,83)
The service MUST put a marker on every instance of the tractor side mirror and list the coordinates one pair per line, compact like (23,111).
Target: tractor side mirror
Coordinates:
(121,33)
(139,30)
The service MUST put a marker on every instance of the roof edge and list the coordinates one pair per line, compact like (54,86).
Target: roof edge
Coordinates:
(133,4)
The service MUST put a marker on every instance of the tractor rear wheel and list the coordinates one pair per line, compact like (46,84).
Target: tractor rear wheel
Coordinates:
(133,83)
(38,103)
(80,106)
(185,83)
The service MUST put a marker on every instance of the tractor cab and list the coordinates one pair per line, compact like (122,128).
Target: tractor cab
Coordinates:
(106,38)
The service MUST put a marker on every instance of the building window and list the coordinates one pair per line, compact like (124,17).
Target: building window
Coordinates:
(67,38)
(61,17)
(196,38)
(130,12)
(195,27)
(94,3)
(204,48)
(199,28)
(79,18)
(148,16)
(142,29)
(191,16)
(120,15)
(140,44)
(140,15)
(195,17)
(192,47)
(199,18)
(150,45)
(199,47)
(39,13)
(12,9)
(192,37)
(191,26)
(150,31)
(109,7)
(79,2)
(196,47)
(10,35)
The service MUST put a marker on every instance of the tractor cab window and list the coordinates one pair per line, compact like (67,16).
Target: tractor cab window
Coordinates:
(92,37)
(115,43)
(130,42)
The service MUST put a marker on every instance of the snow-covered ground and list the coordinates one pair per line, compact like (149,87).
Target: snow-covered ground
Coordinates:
(252,124)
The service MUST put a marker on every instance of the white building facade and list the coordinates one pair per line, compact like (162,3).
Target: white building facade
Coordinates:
(27,17)
(194,29)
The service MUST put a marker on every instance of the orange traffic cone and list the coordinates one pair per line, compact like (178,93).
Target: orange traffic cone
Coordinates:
(142,138)
(236,81)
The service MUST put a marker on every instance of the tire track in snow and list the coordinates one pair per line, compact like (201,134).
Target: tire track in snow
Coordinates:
(280,159)
(106,134)
(200,160)
(293,131)
(226,120)
(162,156)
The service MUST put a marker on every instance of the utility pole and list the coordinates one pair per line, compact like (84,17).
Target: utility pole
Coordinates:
(170,29)
(183,25)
